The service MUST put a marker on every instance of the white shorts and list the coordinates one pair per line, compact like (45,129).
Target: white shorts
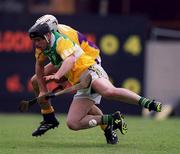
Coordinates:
(96,71)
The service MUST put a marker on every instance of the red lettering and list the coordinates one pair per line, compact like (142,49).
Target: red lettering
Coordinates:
(15,42)
(28,46)
(20,42)
(13,84)
(6,41)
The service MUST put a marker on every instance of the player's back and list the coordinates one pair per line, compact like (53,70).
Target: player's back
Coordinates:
(77,37)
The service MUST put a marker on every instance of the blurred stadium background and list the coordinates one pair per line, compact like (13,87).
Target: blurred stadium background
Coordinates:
(139,41)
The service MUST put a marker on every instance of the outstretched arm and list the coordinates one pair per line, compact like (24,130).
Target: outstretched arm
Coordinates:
(66,66)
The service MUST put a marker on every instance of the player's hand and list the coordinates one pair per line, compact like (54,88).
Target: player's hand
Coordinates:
(52,78)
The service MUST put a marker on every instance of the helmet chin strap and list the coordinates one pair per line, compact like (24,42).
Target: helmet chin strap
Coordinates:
(46,38)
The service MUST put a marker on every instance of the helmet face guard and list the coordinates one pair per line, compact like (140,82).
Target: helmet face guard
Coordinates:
(39,30)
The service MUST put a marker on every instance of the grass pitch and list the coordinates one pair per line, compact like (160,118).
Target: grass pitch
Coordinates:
(145,136)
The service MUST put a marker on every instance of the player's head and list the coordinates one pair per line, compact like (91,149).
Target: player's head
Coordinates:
(41,35)
(50,20)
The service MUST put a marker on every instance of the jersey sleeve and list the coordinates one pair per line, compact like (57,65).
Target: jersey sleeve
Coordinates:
(65,47)
(39,55)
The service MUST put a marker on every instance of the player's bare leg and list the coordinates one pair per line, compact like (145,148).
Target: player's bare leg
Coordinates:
(96,111)
(107,90)
(79,118)
(110,135)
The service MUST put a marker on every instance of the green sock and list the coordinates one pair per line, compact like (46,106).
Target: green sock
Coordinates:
(107,119)
(145,102)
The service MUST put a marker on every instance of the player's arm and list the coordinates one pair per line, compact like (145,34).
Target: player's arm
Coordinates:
(69,52)
(66,66)
(39,70)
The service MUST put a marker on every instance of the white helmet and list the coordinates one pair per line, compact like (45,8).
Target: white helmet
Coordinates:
(50,20)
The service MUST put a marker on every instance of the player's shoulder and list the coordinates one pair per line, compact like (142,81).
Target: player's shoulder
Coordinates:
(65,29)
(63,41)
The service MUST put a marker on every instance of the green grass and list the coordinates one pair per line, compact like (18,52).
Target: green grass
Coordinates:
(145,136)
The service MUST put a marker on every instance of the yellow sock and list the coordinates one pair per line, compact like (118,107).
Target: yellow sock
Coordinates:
(46,111)
(103,127)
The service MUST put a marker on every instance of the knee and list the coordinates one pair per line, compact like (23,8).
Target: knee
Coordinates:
(33,80)
(73,125)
